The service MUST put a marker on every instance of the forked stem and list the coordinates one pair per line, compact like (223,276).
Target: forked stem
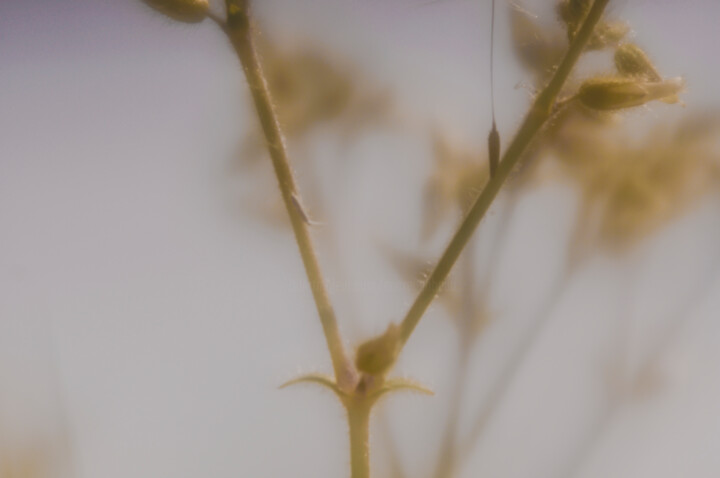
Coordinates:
(539,113)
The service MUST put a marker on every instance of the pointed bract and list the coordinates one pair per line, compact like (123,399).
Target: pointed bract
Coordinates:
(318,379)
(401,384)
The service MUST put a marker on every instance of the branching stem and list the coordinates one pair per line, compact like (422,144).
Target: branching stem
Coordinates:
(535,119)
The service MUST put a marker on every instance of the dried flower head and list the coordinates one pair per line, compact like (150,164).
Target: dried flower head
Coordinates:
(614,93)
(631,61)
(458,173)
(537,49)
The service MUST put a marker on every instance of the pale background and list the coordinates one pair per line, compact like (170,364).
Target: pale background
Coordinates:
(146,319)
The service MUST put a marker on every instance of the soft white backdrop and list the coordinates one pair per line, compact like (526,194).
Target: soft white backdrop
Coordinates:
(146,319)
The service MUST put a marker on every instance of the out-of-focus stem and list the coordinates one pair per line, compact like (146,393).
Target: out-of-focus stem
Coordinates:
(535,119)
(604,421)
(575,257)
(447,458)
(397,470)
(499,390)
(239,32)
(448,447)
(499,239)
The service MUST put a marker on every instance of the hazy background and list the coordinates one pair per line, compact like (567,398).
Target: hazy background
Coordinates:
(147,317)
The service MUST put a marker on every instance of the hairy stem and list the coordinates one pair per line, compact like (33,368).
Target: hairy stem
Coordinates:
(359,421)
(240,34)
(535,119)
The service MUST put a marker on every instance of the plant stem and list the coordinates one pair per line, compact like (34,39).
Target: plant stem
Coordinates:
(359,421)
(239,32)
(535,119)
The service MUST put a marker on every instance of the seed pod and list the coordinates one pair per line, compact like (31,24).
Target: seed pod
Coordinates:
(376,356)
(187,11)
(631,60)
(617,93)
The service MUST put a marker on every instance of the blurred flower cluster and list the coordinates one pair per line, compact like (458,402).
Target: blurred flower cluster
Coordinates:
(313,93)
(629,186)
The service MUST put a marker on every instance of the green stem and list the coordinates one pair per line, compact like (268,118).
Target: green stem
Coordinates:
(535,119)
(239,32)
(359,421)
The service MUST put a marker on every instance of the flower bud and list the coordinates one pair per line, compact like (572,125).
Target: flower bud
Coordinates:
(631,60)
(188,11)
(376,356)
(617,93)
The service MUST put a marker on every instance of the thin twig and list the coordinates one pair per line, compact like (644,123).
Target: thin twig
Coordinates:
(535,119)
(239,31)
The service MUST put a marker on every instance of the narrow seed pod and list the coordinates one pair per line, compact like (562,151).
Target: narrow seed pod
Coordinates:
(617,93)
(493,149)
(631,60)
(376,356)
(187,11)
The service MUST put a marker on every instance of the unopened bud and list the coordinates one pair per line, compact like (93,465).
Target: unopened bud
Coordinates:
(377,355)
(631,60)
(618,93)
(188,11)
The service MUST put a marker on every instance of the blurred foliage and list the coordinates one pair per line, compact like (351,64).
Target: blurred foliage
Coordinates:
(30,462)
(310,89)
